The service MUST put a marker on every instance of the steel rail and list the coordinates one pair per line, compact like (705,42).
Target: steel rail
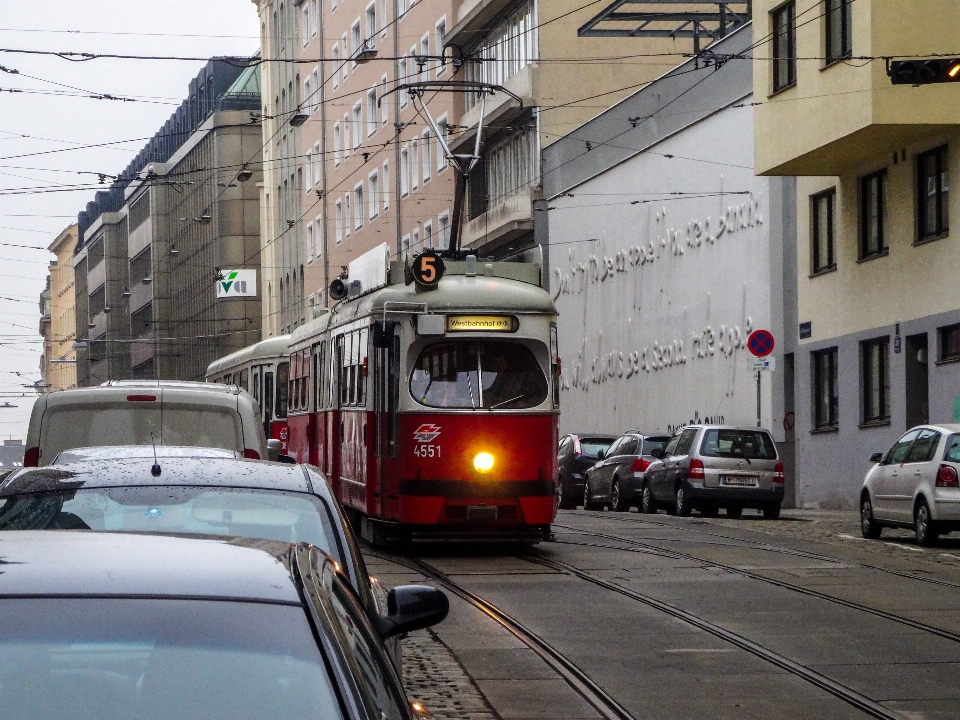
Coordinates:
(677,555)
(837,689)
(788,551)
(581,683)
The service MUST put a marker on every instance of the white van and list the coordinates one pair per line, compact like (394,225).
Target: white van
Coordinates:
(141,412)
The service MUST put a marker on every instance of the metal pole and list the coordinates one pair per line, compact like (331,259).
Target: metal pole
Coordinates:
(758,398)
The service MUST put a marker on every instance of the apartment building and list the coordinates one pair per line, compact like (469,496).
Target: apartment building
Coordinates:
(167,269)
(58,322)
(373,171)
(878,328)
(562,80)
(281,223)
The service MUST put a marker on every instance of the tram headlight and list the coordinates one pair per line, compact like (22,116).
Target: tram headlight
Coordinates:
(483,462)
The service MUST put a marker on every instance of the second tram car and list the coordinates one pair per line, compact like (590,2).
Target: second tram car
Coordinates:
(434,411)
(262,370)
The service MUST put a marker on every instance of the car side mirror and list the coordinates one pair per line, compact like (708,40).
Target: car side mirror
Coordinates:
(658,453)
(876,458)
(288,459)
(273,450)
(412,607)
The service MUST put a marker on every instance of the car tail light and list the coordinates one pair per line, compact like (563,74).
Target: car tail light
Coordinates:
(696,470)
(778,474)
(31,458)
(640,465)
(251,454)
(577,448)
(141,398)
(946,476)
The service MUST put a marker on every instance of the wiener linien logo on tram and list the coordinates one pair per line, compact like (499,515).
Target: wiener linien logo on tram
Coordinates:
(426,433)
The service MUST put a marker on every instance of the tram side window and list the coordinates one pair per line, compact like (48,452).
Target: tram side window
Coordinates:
(294,374)
(245,379)
(321,376)
(283,375)
(268,396)
(352,355)
(305,380)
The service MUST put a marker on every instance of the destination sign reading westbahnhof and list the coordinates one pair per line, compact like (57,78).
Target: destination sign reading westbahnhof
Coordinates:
(481,323)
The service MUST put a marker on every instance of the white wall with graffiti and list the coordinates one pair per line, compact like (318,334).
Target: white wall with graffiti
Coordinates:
(661,267)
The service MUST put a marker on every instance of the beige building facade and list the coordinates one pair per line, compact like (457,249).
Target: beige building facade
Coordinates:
(877,228)
(58,321)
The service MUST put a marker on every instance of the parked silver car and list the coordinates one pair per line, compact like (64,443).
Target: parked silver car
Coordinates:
(617,478)
(915,485)
(708,467)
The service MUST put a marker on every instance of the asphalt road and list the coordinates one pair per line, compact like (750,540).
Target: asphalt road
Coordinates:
(633,616)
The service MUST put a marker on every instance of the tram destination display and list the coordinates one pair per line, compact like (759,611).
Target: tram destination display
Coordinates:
(482,323)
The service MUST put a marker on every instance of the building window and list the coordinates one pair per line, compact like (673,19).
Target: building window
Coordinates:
(385,185)
(98,301)
(837,30)
(427,156)
(139,212)
(416,241)
(98,348)
(508,167)
(383,106)
(307,97)
(335,54)
(345,66)
(140,266)
(784,46)
(932,193)
(358,206)
(338,220)
(336,143)
(415,164)
(371,39)
(318,235)
(443,223)
(308,162)
(314,100)
(949,337)
(357,124)
(356,40)
(439,31)
(314,16)
(404,172)
(306,24)
(374,201)
(442,127)
(873,214)
(875,380)
(317,170)
(404,247)
(428,234)
(346,215)
(346,135)
(822,208)
(383,17)
(826,403)
(424,54)
(309,241)
(333,5)
(372,124)
(513,42)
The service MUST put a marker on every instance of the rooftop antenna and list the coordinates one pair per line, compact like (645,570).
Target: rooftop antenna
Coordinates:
(155,470)
(462,163)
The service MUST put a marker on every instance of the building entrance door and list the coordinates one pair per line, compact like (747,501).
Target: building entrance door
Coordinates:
(917,380)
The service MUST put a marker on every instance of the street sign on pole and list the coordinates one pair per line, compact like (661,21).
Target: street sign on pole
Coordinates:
(760,343)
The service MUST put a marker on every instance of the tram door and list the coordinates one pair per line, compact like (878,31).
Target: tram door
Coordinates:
(317,446)
(385,388)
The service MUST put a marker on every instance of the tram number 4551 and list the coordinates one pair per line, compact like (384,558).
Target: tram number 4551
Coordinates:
(426,451)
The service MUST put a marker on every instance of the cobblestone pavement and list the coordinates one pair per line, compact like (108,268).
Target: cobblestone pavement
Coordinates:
(433,677)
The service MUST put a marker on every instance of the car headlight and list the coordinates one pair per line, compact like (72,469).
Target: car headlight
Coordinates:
(483,462)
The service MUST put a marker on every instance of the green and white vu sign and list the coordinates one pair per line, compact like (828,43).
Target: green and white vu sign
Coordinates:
(237,283)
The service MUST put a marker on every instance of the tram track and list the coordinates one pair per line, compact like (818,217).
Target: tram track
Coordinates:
(824,682)
(770,547)
(580,682)
(642,547)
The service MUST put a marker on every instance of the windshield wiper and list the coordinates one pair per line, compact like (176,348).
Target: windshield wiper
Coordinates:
(505,402)
(743,454)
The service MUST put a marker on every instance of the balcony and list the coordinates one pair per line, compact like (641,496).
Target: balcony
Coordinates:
(473,17)
(501,224)
(499,110)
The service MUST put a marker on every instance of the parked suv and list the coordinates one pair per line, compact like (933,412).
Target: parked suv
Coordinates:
(916,484)
(576,454)
(707,467)
(618,476)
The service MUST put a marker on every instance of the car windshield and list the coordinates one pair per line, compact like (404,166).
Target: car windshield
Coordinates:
(76,426)
(155,659)
(591,447)
(952,451)
(752,444)
(446,376)
(271,515)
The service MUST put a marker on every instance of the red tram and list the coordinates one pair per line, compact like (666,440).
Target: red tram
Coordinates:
(433,410)
(263,371)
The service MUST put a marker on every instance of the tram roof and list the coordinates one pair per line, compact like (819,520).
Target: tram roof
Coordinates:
(270,348)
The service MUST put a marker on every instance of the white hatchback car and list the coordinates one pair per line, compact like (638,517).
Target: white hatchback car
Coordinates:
(915,485)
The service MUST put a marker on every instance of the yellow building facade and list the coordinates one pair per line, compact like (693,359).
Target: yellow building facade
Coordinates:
(59,321)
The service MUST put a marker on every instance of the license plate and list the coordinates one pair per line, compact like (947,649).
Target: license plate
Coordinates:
(482,512)
(738,481)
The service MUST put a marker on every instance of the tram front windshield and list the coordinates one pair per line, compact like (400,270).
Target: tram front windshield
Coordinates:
(474,374)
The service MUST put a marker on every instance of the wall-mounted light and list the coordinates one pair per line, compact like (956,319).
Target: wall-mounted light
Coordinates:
(125,293)
(146,281)
(365,54)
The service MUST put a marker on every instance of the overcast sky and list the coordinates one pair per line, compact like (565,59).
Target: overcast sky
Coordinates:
(47,128)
